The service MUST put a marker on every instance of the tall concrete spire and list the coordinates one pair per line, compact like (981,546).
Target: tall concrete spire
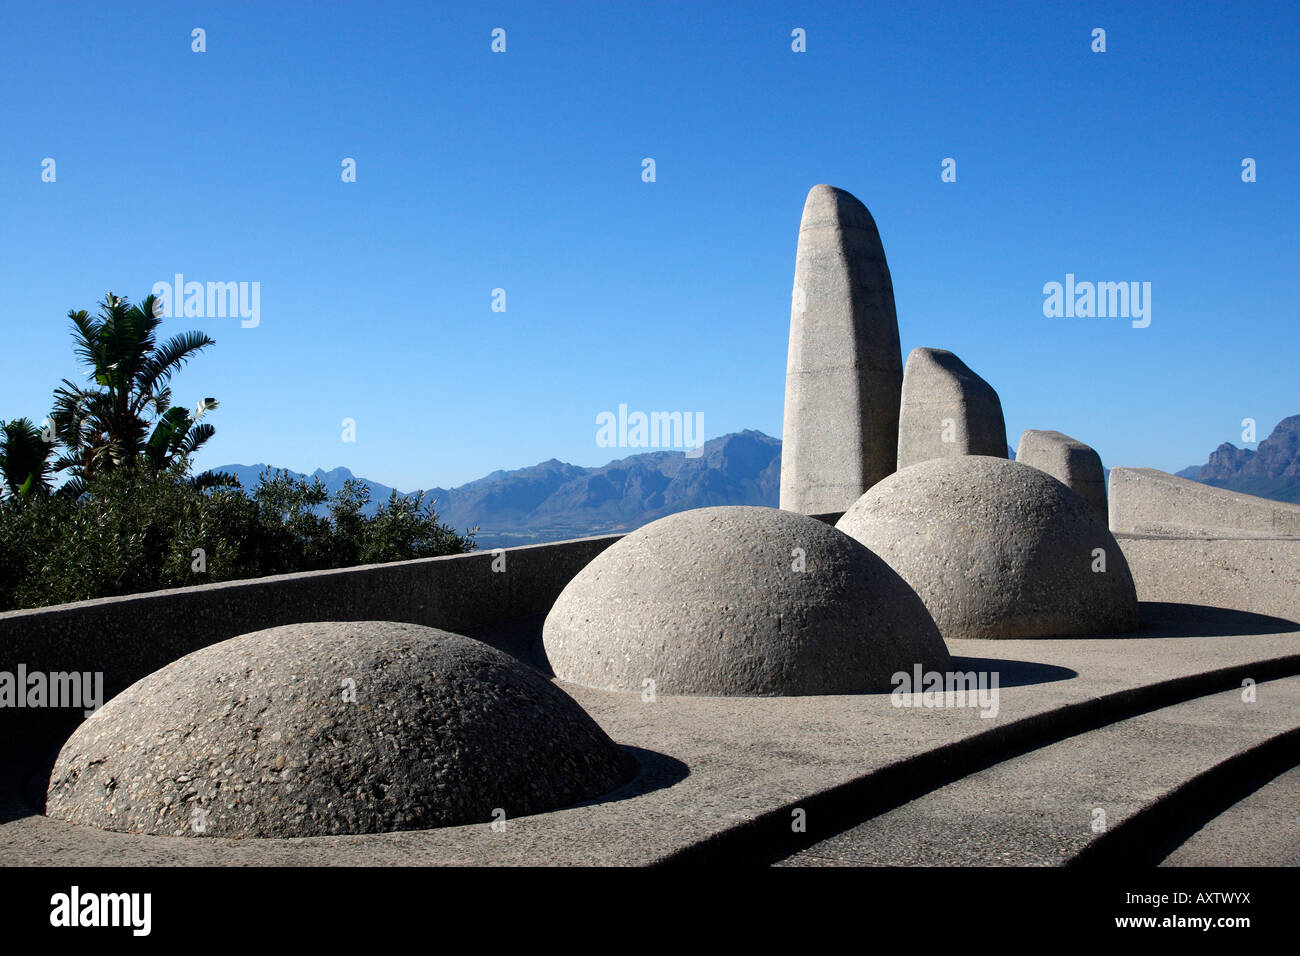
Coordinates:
(845,370)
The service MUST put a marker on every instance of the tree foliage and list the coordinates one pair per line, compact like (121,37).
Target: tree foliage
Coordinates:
(132,531)
(130,518)
(126,417)
(24,459)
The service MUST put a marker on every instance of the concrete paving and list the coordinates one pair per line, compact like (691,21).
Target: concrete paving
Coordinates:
(714,767)
(1042,808)
(1261,830)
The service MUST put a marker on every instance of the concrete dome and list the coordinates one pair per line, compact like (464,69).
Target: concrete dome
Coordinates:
(739,601)
(997,549)
(332,728)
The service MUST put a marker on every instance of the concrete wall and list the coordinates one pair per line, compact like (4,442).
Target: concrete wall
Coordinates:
(1146,501)
(129,637)
(1260,575)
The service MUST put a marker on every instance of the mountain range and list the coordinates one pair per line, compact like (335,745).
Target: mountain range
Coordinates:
(1272,470)
(554,500)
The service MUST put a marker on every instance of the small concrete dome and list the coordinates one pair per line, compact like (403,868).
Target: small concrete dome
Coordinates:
(332,728)
(997,549)
(739,601)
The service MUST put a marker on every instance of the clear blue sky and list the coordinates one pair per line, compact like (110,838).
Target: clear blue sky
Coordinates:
(522,171)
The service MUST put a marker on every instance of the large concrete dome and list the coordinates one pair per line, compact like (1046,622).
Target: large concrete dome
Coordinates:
(739,601)
(997,549)
(332,728)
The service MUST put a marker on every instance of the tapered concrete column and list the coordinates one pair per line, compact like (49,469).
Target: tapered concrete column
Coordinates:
(947,410)
(1069,461)
(845,369)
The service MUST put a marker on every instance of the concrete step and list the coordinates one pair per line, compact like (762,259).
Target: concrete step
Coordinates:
(1046,806)
(1261,829)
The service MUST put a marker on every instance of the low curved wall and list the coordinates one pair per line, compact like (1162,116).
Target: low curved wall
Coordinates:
(126,638)
(129,637)
(1147,501)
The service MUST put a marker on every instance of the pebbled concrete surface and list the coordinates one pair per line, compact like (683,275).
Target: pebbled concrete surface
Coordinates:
(709,764)
(739,601)
(331,728)
(997,549)
(1259,575)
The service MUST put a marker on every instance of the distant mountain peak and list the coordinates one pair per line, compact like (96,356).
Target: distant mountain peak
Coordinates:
(1271,470)
(554,499)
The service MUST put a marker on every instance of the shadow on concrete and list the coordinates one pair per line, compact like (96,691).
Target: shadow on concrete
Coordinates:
(25,766)
(655,771)
(1151,835)
(521,638)
(1166,619)
(1014,673)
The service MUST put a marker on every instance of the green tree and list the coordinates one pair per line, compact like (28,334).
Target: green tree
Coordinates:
(24,458)
(107,425)
(132,531)
(130,517)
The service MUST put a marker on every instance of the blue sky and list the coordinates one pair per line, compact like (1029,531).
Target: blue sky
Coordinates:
(523,171)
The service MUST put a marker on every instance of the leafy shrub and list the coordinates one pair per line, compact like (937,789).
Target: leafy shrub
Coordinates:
(132,531)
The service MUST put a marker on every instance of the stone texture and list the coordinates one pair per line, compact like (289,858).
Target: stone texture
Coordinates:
(1147,501)
(845,369)
(947,410)
(1069,461)
(997,549)
(129,637)
(257,733)
(707,602)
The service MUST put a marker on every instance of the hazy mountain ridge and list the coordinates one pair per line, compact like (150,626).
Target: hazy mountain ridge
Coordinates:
(249,476)
(554,500)
(1272,470)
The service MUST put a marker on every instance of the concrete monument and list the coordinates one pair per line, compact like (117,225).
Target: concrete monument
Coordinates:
(998,549)
(845,369)
(1069,461)
(739,601)
(332,728)
(947,410)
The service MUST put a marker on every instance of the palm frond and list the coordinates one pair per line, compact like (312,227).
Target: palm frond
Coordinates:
(195,437)
(157,368)
(215,479)
(24,458)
